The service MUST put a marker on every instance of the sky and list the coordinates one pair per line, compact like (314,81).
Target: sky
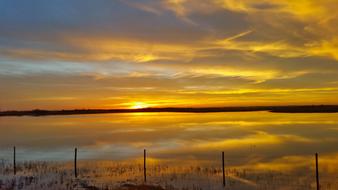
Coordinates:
(66,54)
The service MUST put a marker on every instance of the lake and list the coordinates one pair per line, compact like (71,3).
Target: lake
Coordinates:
(201,136)
(257,140)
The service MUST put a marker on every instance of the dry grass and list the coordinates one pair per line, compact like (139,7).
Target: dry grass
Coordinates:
(111,175)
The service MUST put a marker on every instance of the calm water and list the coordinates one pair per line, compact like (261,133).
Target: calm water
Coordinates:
(260,139)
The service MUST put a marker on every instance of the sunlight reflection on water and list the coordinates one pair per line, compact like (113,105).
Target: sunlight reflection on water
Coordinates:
(260,139)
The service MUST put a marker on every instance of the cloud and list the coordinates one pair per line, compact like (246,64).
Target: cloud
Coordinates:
(245,50)
(150,7)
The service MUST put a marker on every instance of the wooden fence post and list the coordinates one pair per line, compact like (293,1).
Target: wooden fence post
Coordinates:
(144,165)
(14,160)
(223,169)
(75,160)
(317,174)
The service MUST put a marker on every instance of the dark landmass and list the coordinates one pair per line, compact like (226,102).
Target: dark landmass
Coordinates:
(125,186)
(277,109)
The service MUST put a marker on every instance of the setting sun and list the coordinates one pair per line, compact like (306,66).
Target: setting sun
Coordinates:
(139,105)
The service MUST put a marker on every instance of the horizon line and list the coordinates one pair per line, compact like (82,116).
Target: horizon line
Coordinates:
(170,107)
(279,109)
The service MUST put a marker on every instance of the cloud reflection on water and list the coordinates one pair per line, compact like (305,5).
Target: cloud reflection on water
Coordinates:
(246,137)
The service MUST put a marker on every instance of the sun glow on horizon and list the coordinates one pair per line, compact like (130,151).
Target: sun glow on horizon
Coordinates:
(139,105)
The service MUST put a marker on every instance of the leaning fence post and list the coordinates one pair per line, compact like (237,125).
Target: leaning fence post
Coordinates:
(75,160)
(317,174)
(14,160)
(223,169)
(144,165)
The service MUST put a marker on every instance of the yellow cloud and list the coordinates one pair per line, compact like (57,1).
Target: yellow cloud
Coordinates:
(132,50)
(145,58)
(319,18)
(278,48)
(301,8)
(250,74)
(267,91)
(324,48)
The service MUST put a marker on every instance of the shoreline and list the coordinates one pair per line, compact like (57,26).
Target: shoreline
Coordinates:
(273,109)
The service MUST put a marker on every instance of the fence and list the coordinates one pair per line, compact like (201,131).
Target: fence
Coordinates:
(222,166)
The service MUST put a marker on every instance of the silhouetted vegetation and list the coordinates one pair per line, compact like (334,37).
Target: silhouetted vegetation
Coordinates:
(279,109)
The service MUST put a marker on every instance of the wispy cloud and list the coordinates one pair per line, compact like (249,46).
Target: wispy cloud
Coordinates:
(232,52)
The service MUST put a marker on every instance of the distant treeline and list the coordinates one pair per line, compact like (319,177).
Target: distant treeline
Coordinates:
(280,109)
